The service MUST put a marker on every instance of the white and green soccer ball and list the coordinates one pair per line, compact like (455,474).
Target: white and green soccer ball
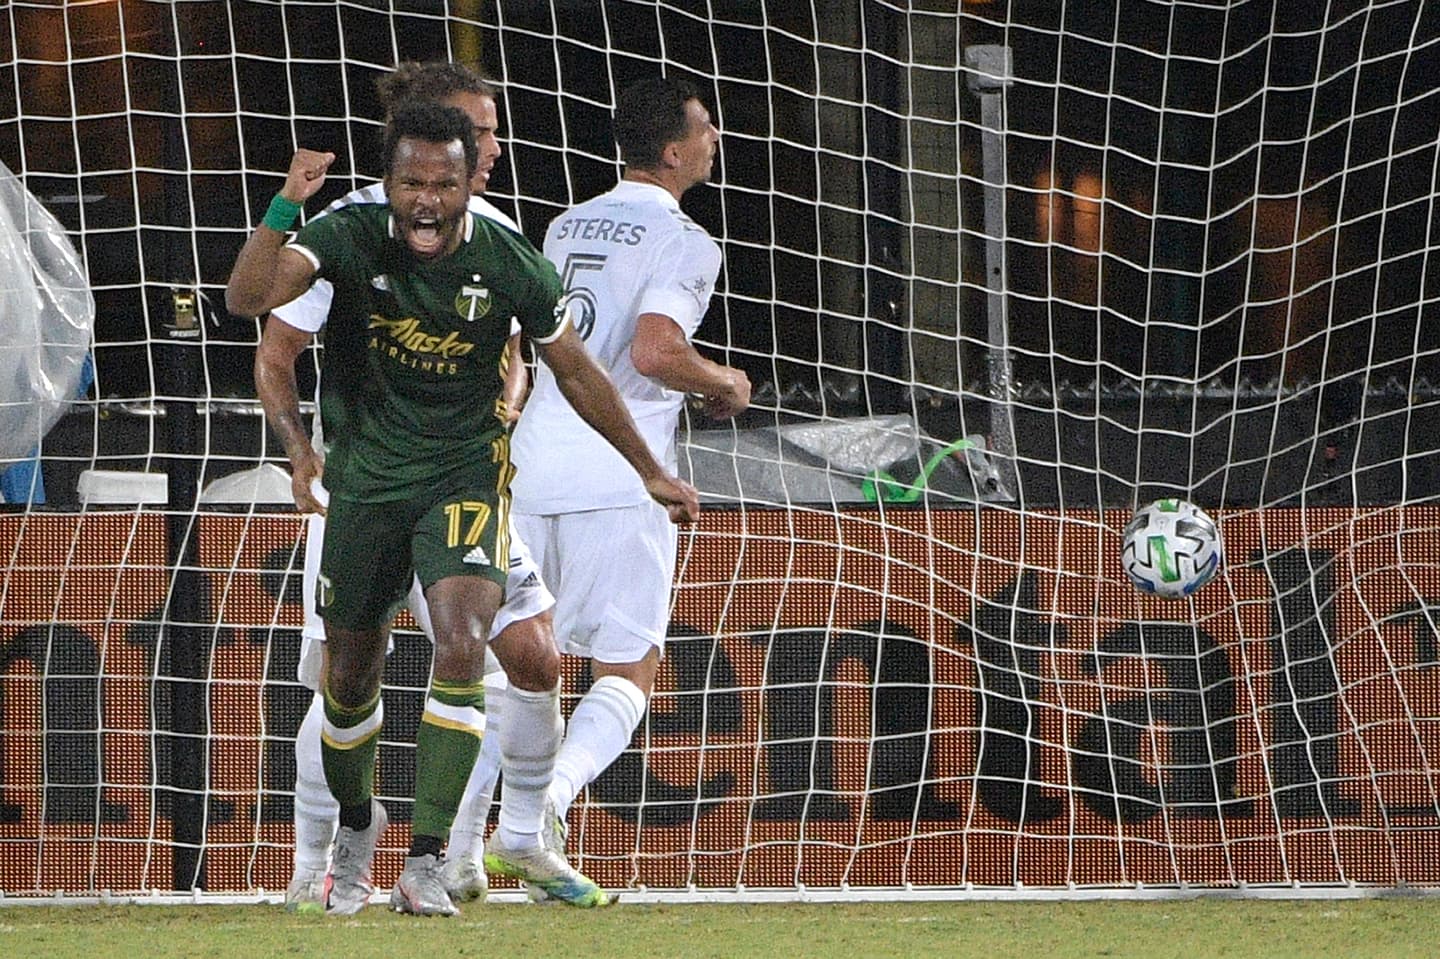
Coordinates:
(1172,548)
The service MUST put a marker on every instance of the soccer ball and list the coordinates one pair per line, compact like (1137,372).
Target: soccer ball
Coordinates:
(1172,548)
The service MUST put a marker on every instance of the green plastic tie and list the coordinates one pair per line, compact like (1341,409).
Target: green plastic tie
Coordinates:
(879,485)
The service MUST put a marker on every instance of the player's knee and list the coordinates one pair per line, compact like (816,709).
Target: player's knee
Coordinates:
(350,690)
(625,647)
(531,663)
(458,658)
(351,676)
(640,674)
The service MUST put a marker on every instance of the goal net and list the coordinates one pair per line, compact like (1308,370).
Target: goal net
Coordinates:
(999,277)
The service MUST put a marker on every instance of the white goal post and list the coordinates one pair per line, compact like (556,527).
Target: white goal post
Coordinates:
(999,277)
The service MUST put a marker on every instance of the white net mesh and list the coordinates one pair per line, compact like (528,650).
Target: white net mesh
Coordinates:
(999,278)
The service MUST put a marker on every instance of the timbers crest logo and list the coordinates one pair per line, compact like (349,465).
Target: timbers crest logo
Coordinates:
(473,300)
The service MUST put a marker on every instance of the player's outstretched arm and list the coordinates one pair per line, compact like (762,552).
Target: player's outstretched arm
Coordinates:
(265,274)
(280,346)
(594,397)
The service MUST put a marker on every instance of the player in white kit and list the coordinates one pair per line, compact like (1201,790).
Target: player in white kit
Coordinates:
(639,274)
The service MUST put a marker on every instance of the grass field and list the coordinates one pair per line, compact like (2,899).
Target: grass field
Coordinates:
(1193,929)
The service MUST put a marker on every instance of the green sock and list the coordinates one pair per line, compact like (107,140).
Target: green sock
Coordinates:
(445,751)
(349,740)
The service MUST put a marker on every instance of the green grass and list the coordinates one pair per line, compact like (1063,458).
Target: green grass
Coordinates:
(1193,929)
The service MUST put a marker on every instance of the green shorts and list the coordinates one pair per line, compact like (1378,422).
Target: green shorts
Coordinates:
(371,550)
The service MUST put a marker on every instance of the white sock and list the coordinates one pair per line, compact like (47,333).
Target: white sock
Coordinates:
(600,729)
(467,836)
(316,811)
(528,745)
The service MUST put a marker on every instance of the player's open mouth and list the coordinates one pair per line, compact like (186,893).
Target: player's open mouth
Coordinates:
(425,236)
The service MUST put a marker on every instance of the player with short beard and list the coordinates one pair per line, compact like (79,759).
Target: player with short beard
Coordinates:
(287,333)
(419,473)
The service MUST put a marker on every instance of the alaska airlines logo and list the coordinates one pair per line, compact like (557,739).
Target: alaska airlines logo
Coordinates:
(473,301)
(406,333)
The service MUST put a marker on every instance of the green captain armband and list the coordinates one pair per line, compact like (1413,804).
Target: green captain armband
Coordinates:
(281,214)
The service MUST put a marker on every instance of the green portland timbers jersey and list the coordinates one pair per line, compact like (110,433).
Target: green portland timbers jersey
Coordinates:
(412,367)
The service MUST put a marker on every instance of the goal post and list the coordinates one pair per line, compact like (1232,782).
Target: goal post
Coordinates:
(1000,276)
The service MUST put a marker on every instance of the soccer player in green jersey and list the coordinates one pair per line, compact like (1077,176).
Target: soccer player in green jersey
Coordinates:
(419,467)
(287,333)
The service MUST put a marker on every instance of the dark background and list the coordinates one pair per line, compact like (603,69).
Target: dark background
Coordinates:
(1219,219)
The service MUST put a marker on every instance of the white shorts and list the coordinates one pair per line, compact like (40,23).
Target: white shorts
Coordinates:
(525,595)
(611,570)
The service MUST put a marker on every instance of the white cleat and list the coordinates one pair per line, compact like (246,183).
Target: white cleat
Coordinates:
(465,879)
(307,892)
(420,890)
(553,833)
(546,869)
(350,864)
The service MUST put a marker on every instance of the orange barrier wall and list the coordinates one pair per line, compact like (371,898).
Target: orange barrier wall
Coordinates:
(928,698)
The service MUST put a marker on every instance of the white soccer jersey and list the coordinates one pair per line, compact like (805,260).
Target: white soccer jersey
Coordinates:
(624,253)
(309,310)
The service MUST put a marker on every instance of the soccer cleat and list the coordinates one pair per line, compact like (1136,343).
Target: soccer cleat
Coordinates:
(546,870)
(464,879)
(555,830)
(350,863)
(553,833)
(420,890)
(307,892)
